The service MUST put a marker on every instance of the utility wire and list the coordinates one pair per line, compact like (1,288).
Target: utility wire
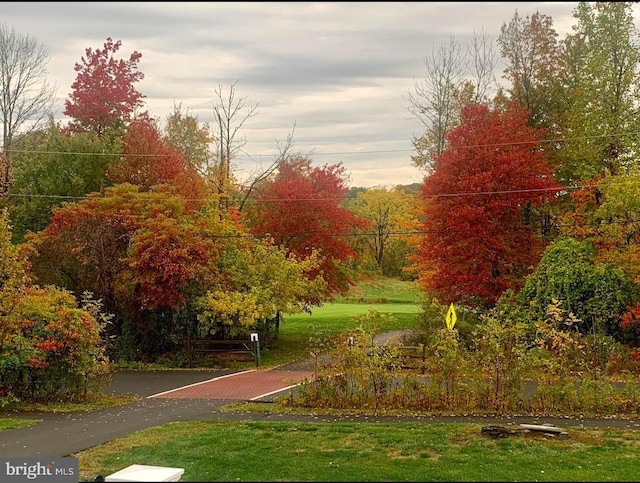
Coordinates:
(455,194)
(410,233)
(338,198)
(382,151)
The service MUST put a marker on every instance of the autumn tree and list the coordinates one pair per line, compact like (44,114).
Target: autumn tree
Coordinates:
(86,245)
(606,213)
(533,56)
(392,215)
(302,209)
(50,345)
(479,236)
(230,282)
(27,99)
(149,160)
(167,272)
(103,94)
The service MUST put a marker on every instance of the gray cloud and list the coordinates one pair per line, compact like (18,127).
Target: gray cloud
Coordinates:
(338,71)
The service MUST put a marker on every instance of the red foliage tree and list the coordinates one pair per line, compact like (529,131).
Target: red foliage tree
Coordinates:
(301,209)
(478,241)
(149,160)
(136,251)
(103,92)
(86,245)
(168,254)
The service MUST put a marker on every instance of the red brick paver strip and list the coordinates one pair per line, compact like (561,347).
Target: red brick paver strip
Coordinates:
(246,385)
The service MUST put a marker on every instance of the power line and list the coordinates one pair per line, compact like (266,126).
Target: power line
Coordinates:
(594,225)
(338,198)
(31,195)
(411,233)
(381,151)
(532,190)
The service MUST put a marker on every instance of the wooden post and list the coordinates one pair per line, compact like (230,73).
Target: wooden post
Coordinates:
(256,347)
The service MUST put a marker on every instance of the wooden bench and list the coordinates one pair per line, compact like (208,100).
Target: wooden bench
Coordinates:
(413,357)
(232,346)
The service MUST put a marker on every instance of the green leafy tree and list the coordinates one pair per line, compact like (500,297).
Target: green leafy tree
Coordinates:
(184,132)
(11,269)
(616,223)
(596,293)
(602,80)
(58,168)
(259,281)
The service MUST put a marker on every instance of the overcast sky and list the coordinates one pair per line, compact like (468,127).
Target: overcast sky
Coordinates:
(339,72)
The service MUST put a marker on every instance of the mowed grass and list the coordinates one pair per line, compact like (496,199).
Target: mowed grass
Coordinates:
(299,332)
(347,451)
(375,289)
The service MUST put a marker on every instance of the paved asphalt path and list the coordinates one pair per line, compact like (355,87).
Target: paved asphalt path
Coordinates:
(63,434)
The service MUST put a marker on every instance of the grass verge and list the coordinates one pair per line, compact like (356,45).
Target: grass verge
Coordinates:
(102,402)
(13,423)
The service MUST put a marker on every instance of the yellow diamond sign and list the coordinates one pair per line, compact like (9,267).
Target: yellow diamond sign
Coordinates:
(451,317)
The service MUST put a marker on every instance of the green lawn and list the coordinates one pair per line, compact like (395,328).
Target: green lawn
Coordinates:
(347,451)
(382,290)
(332,319)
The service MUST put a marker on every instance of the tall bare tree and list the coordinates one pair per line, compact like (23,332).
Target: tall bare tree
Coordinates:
(433,104)
(26,99)
(230,116)
(483,59)
(454,76)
